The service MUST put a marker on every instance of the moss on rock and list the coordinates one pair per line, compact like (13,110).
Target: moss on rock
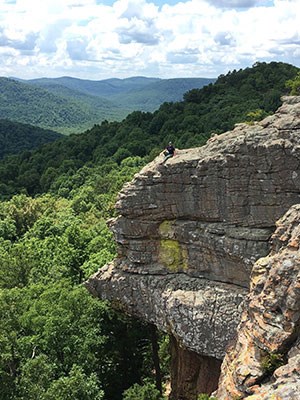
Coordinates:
(172,255)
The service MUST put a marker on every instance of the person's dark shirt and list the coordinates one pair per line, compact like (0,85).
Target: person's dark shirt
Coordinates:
(171,149)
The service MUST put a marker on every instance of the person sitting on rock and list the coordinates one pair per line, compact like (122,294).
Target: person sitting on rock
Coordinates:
(169,151)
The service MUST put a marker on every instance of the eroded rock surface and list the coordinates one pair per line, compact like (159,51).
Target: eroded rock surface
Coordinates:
(189,231)
(269,333)
(201,314)
(209,211)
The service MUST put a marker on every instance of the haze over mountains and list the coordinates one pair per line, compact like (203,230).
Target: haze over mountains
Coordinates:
(71,105)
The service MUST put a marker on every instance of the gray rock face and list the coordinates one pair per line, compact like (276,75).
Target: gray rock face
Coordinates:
(269,326)
(190,230)
(192,309)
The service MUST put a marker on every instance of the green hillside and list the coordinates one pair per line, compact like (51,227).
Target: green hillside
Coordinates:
(16,137)
(57,110)
(71,105)
(57,342)
(67,92)
(135,94)
(103,88)
(150,97)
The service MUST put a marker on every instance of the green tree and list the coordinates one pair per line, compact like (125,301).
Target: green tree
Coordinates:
(147,391)
(121,154)
(294,85)
(36,376)
(255,115)
(76,386)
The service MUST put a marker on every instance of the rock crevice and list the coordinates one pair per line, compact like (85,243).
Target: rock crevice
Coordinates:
(265,359)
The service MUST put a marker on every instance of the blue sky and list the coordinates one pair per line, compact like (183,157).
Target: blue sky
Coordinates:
(99,39)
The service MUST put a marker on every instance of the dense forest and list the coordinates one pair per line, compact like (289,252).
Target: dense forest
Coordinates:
(60,109)
(16,137)
(56,341)
(69,105)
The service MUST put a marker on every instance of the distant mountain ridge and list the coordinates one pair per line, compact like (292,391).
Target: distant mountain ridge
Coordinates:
(58,110)
(151,96)
(103,88)
(71,105)
(136,93)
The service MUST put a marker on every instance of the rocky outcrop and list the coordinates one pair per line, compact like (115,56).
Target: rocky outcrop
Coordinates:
(266,356)
(190,230)
(200,313)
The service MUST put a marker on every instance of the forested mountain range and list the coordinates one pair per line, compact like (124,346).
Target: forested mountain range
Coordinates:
(59,108)
(70,105)
(151,96)
(56,341)
(135,93)
(16,137)
(102,88)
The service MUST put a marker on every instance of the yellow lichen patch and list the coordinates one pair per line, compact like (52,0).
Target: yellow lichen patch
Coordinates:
(184,253)
(166,230)
(172,255)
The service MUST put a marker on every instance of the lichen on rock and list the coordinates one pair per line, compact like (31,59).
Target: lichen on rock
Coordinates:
(172,255)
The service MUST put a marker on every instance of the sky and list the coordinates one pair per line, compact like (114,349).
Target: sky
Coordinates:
(100,39)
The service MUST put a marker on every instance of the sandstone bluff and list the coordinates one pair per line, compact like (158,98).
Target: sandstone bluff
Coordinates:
(194,234)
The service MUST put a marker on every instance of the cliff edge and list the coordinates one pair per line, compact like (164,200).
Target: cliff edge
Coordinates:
(189,232)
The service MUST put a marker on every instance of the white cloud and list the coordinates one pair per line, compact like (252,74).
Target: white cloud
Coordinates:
(138,31)
(85,38)
(224,39)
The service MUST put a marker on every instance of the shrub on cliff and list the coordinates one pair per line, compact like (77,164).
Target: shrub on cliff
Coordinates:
(144,392)
(294,85)
(204,396)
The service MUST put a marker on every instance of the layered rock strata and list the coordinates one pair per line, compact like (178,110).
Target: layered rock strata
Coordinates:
(190,230)
(265,361)
(200,313)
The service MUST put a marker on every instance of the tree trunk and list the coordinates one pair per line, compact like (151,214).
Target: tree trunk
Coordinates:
(155,357)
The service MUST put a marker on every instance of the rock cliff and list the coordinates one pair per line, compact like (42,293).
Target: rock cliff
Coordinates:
(189,232)
(265,360)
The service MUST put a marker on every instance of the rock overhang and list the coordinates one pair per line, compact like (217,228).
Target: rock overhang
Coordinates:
(202,219)
(192,309)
